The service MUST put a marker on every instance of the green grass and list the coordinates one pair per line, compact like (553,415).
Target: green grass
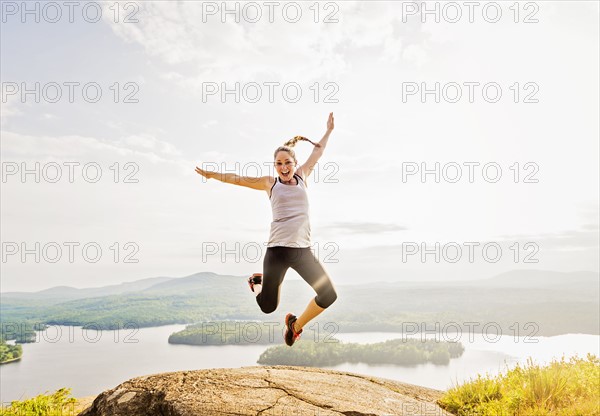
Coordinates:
(55,404)
(561,388)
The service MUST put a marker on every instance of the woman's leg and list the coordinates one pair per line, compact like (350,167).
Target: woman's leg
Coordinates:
(312,270)
(275,265)
(311,311)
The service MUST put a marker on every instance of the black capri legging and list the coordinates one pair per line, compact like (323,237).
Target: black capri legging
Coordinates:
(277,260)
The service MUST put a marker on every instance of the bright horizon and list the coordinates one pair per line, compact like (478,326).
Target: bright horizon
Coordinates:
(364,217)
(287,278)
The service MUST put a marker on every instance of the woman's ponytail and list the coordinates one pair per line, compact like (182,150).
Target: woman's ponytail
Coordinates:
(287,146)
(292,142)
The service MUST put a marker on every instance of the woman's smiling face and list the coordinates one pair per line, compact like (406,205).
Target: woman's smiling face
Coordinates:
(285,166)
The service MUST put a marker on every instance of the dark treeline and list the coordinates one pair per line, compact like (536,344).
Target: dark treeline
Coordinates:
(20,331)
(403,352)
(228,333)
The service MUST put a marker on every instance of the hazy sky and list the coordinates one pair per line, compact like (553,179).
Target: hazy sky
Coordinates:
(372,214)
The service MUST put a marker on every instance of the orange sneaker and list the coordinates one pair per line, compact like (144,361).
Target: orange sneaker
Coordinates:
(290,334)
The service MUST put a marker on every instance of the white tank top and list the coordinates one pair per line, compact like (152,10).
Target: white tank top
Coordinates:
(291,223)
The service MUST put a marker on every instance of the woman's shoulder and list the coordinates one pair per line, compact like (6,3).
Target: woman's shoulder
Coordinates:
(271,181)
(300,174)
(302,178)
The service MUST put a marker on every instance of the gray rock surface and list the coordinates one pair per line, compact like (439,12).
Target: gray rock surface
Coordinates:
(264,390)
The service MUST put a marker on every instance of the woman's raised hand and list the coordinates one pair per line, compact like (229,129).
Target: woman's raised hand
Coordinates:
(330,122)
(205,173)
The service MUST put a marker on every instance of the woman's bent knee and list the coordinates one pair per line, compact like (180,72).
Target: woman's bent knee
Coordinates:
(266,305)
(332,297)
(325,300)
(268,308)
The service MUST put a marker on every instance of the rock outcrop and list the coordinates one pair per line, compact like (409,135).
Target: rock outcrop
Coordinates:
(264,390)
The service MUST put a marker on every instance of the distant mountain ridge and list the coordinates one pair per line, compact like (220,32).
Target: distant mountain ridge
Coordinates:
(558,303)
(539,277)
(68,292)
(198,281)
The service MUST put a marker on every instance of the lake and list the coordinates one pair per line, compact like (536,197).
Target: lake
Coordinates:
(92,361)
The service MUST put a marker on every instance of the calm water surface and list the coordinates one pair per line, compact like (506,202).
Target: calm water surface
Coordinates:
(92,361)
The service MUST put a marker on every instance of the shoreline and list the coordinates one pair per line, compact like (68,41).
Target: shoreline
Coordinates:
(11,360)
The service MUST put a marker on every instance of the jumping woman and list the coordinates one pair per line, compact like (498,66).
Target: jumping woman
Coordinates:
(289,240)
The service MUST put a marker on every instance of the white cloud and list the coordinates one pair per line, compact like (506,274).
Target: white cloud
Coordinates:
(151,143)
(302,51)
(9,108)
(163,157)
(362,227)
(416,54)
(209,124)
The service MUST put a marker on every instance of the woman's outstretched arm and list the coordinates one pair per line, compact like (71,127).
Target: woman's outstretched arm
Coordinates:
(307,167)
(261,183)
